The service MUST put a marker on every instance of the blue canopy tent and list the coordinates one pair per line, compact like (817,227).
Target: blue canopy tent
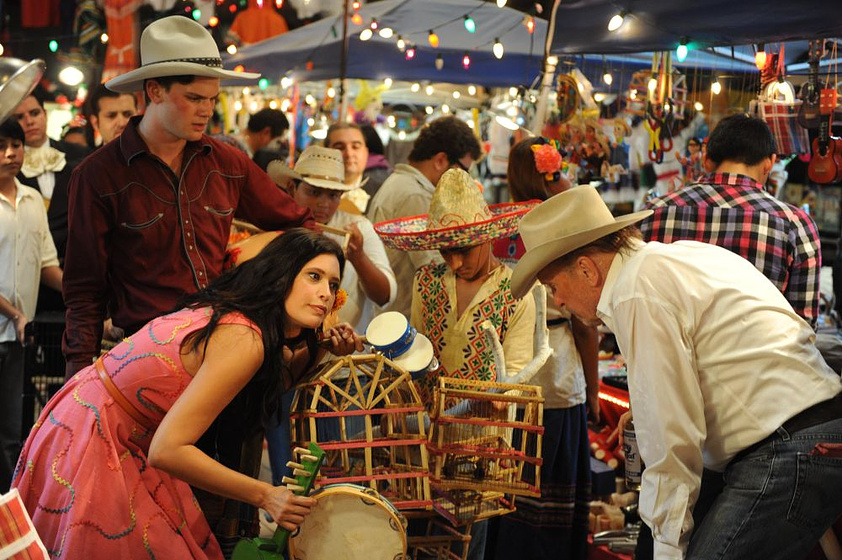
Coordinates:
(320,43)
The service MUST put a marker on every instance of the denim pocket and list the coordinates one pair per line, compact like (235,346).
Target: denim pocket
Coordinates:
(816,497)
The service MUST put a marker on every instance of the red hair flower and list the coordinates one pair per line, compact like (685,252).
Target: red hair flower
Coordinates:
(547,159)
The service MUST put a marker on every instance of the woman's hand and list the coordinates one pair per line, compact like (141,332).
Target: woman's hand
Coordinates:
(287,509)
(343,340)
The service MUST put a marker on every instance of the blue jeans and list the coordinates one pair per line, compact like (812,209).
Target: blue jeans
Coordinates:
(777,502)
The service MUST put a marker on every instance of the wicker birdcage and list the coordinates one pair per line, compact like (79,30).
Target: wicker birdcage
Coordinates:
(486,437)
(365,413)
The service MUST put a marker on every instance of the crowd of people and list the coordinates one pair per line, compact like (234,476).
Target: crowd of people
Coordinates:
(713,303)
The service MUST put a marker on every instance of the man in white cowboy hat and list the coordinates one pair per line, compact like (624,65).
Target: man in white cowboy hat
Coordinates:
(723,374)
(317,183)
(451,300)
(150,214)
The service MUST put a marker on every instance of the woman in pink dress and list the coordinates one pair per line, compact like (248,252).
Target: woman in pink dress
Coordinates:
(107,469)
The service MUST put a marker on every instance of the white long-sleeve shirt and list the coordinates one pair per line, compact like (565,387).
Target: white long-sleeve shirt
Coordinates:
(717,361)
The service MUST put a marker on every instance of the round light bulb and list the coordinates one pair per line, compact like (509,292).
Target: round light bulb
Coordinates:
(386,32)
(698,106)
(501,3)
(238,105)
(445,108)
(286,82)
(103,38)
(599,97)
(401,44)
(366,34)
(428,110)
(608,78)
(331,92)
(498,49)
(429,90)
(512,92)
(716,88)
(472,90)
(433,39)
(71,76)
(466,61)
(616,22)
(653,84)
(232,49)
(402,135)
(415,87)
(410,53)
(470,24)
(681,52)
(439,62)
(273,104)
(387,82)
(760,59)
(456,94)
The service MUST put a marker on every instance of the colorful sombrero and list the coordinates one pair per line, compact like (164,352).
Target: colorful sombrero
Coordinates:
(459,217)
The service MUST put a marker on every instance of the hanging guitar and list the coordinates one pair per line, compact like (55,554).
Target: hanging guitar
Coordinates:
(808,113)
(304,471)
(826,162)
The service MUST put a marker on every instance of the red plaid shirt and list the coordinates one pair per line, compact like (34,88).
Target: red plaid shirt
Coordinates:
(734,212)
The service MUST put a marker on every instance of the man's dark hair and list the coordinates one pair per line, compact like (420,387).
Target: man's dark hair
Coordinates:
(274,119)
(741,139)
(98,93)
(372,140)
(342,125)
(167,82)
(40,95)
(445,134)
(11,129)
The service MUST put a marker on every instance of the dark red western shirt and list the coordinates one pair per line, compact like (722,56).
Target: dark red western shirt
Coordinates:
(140,236)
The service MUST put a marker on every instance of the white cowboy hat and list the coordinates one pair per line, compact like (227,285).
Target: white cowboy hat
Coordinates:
(317,166)
(175,46)
(459,217)
(561,224)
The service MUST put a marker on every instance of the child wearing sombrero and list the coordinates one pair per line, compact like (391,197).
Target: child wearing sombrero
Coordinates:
(451,300)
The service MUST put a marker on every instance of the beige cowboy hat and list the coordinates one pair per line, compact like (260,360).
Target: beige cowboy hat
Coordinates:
(175,46)
(459,217)
(561,224)
(317,166)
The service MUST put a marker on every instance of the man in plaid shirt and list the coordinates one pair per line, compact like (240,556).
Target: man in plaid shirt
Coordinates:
(730,208)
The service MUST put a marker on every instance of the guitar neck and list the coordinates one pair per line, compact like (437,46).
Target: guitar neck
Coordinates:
(304,475)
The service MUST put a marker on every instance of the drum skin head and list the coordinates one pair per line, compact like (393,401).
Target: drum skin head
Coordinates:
(350,523)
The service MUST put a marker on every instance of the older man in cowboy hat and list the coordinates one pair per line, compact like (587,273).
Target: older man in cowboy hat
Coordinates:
(723,374)
(149,215)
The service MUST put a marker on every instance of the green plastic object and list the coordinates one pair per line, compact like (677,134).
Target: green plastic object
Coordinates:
(274,548)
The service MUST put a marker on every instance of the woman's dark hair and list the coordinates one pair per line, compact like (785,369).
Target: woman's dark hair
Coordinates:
(525,181)
(372,140)
(258,289)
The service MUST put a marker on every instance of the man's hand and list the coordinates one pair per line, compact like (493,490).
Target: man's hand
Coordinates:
(20,321)
(355,244)
(625,418)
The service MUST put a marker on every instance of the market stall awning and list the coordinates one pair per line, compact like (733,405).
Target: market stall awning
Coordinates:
(656,25)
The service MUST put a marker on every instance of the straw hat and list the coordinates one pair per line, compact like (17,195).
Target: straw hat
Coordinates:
(459,217)
(561,224)
(317,166)
(175,46)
